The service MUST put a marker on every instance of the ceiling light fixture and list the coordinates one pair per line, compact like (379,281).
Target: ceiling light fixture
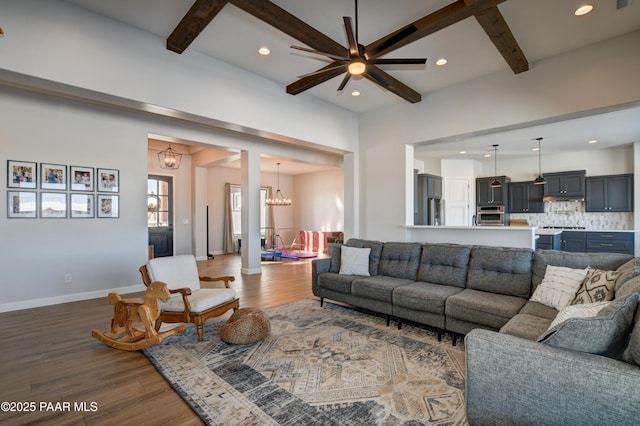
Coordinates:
(592,141)
(356,67)
(583,10)
(441,61)
(539,180)
(495,183)
(169,159)
(264,51)
(279,199)
(355,93)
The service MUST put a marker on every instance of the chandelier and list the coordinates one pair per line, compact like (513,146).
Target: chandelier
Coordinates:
(278,199)
(169,158)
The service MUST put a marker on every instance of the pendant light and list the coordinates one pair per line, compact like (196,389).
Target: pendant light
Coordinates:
(495,183)
(169,158)
(539,180)
(279,199)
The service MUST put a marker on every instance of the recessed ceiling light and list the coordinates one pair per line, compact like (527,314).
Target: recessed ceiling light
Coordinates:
(535,149)
(441,61)
(593,141)
(264,51)
(463,152)
(487,155)
(355,93)
(583,10)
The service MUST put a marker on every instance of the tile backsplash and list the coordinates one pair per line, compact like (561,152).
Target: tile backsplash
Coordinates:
(572,213)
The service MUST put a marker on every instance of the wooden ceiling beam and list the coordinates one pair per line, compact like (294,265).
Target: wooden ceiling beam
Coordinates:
(289,24)
(197,18)
(493,23)
(442,18)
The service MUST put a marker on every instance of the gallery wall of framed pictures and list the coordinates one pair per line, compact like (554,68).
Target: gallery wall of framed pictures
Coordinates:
(58,191)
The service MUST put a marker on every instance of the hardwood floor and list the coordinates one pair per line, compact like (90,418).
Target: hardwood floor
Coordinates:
(49,356)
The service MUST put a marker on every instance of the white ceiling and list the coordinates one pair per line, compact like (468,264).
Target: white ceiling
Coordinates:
(543,28)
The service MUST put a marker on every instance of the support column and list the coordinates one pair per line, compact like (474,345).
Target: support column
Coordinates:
(250,195)
(351,197)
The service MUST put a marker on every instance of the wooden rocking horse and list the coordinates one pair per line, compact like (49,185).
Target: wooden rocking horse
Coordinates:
(126,336)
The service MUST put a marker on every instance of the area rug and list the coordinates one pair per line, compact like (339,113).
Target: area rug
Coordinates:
(328,365)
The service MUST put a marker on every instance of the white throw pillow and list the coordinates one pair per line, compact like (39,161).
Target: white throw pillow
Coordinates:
(354,261)
(559,286)
(578,311)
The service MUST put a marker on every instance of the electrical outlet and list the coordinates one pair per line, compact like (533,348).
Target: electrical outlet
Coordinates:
(68,278)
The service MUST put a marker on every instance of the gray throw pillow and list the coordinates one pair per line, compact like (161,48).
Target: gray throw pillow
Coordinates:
(336,250)
(632,353)
(602,334)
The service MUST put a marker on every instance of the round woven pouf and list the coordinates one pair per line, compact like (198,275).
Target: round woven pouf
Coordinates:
(246,325)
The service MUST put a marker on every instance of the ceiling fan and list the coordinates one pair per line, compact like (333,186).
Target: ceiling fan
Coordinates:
(359,62)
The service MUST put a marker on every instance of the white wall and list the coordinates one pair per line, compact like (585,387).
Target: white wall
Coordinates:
(319,201)
(549,89)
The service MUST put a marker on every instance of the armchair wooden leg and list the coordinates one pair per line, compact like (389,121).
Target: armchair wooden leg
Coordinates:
(200,330)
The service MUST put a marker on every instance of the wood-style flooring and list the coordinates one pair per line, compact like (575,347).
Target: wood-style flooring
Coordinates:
(48,355)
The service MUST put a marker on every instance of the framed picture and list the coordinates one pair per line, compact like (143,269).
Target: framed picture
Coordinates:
(108,180)
(21,174)
(53,205)
(53,176)
(81,178)
(21,204)
(82,206)
(108,206)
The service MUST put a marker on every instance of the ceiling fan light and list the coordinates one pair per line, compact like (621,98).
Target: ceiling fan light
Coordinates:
(356,67)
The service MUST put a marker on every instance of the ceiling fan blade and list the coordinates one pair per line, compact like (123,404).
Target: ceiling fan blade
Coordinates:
(408,61)
(321,70)
(194,21)
(345,80)
(323,74)
(351,38)
(328,55)
(284,21)
(442,18)
(383,79)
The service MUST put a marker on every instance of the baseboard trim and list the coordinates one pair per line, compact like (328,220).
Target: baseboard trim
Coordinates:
(75,297)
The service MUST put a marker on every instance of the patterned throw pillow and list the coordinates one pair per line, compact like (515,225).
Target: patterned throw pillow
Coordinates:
(559,286)
(598,286)
(583,310)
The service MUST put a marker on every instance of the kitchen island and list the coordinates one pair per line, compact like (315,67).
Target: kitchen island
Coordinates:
(501,236)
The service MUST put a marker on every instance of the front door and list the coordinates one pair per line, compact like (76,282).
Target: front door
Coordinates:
(160,214)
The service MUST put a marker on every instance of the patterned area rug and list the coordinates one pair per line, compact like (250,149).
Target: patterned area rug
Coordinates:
(319,366)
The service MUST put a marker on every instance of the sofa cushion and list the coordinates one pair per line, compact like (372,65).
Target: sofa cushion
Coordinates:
(377,288)
(425,297)
(527,326)
(481,307)
(602,334)
(374,257)
(604,261)
(335,250)
(336,282)
(445,264)
(627,271)
(539,310)
(629,287)
(400,260)
(501,270)
(179,271)
(597,286)
(559,286)
(354,261)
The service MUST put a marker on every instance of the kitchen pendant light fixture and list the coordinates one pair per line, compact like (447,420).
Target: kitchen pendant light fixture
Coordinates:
(539,180)
(169,159)
(279,199)
(495,183)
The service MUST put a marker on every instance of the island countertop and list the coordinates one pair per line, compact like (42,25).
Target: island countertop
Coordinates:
(501,236)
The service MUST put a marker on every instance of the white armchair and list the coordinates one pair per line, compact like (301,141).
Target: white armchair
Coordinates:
(189,302)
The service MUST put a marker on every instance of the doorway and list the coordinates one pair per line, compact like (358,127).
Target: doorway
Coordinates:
(160,214)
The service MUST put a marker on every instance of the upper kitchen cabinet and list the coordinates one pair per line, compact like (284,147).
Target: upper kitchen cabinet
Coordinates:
(488,196)
(430,186)
(526,197)
(612,193)
(565,184)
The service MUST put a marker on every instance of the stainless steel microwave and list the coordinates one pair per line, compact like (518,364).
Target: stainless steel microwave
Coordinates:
(491,215)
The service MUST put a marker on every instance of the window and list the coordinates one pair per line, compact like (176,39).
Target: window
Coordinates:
(236,211)
(158,201)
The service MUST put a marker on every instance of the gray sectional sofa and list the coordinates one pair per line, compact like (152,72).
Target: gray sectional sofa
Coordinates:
(483,292)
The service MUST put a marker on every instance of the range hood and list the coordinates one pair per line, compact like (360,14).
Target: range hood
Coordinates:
(577,199)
